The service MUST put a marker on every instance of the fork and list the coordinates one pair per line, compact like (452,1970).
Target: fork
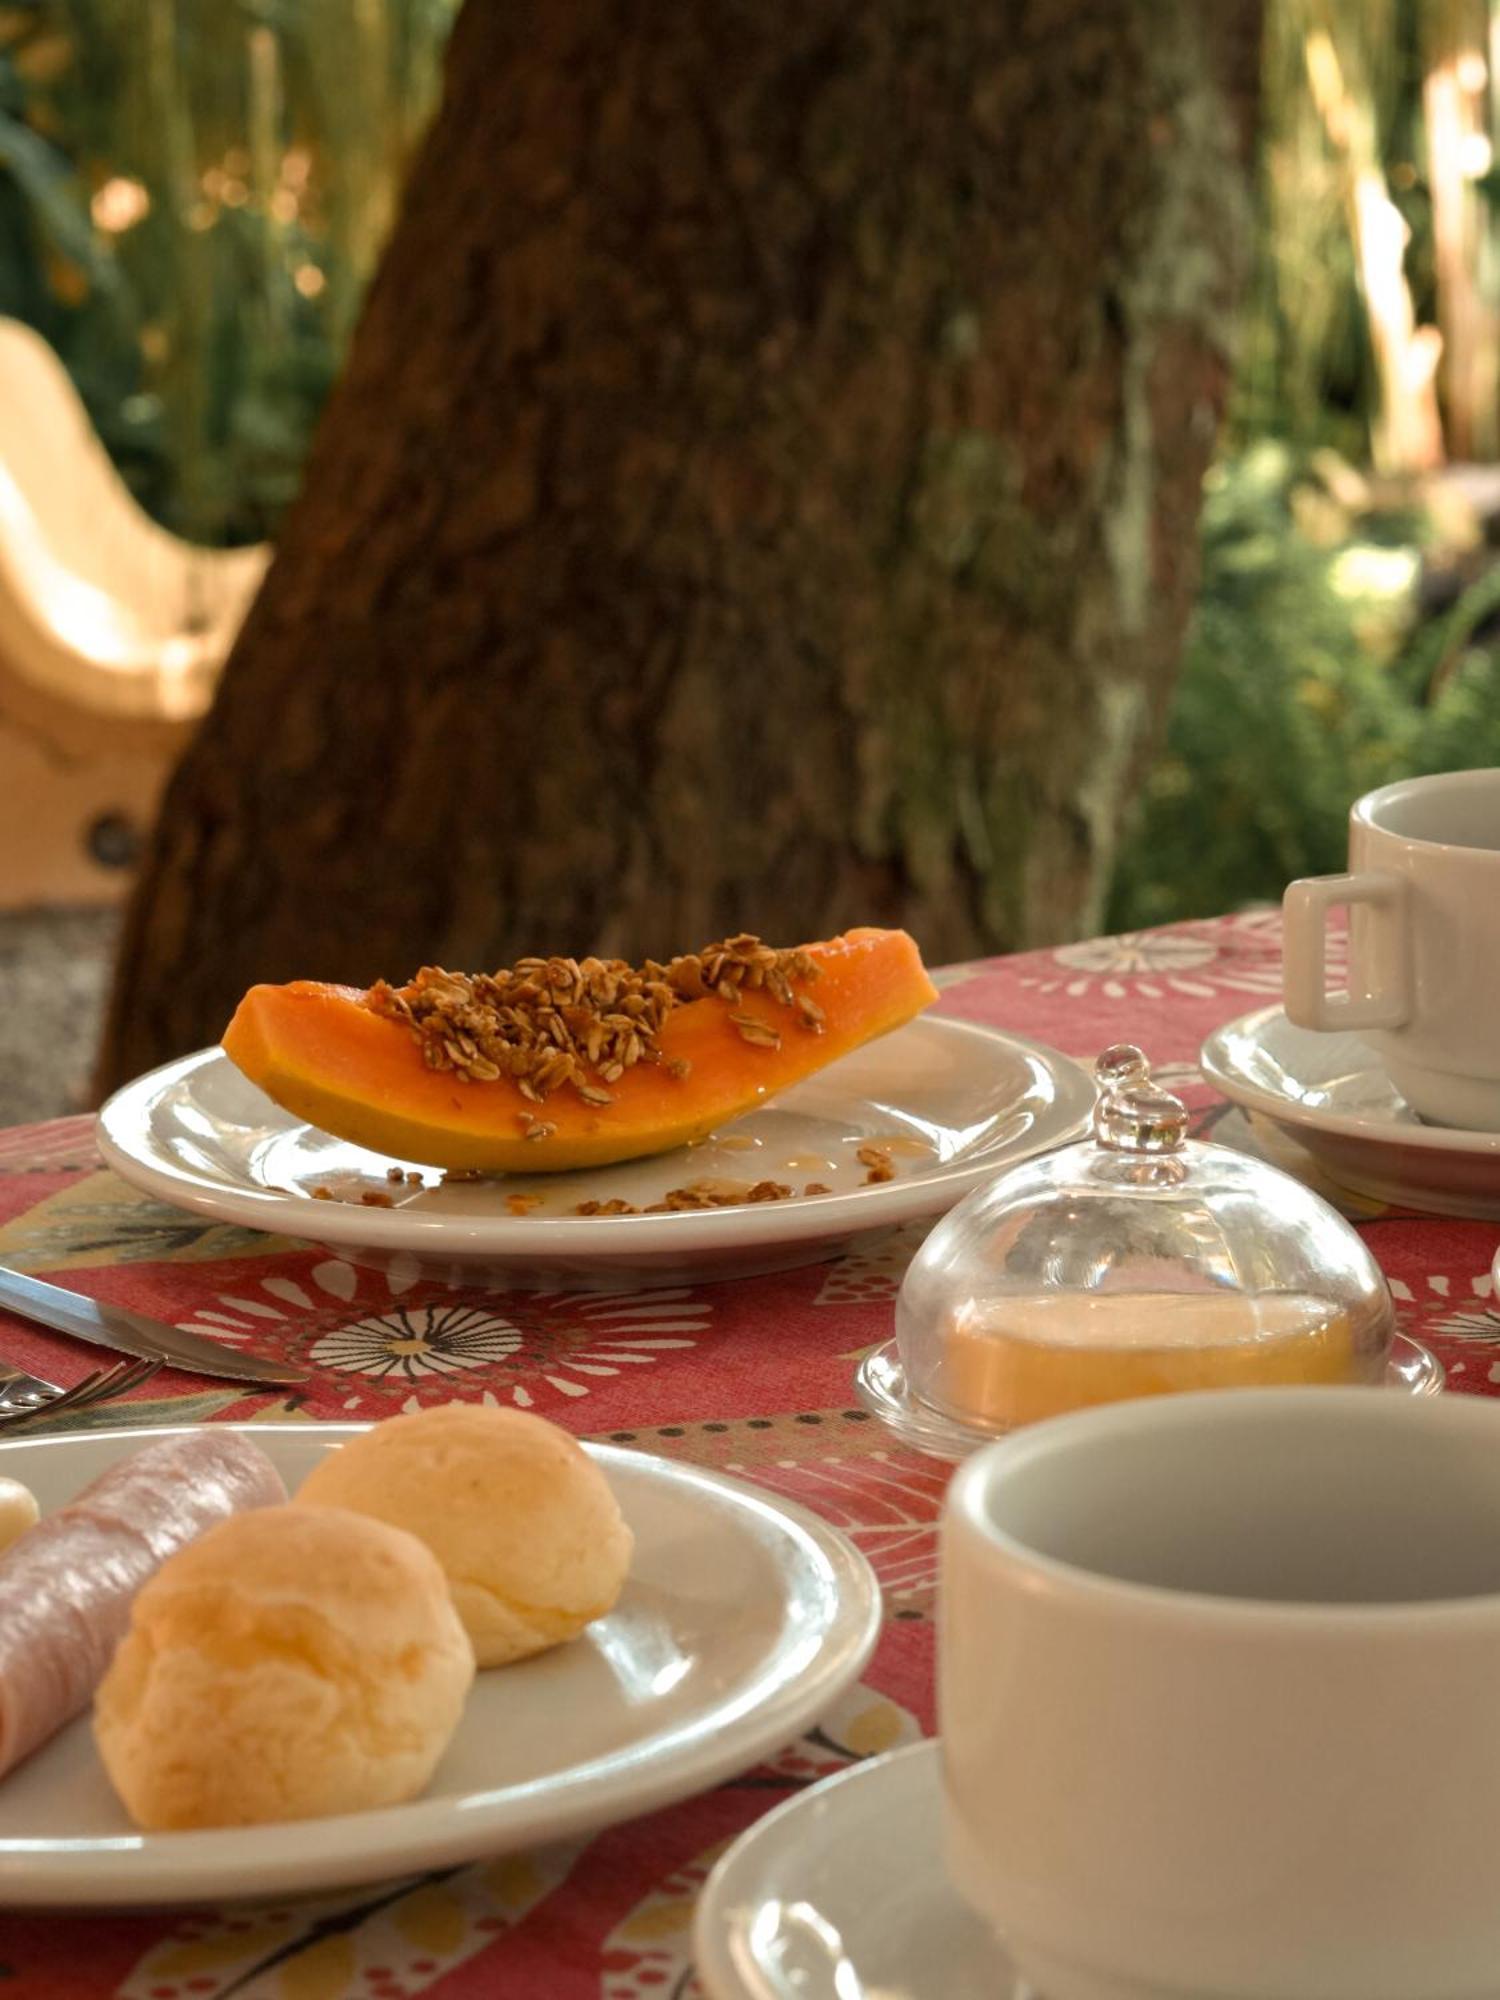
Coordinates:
(24,1397)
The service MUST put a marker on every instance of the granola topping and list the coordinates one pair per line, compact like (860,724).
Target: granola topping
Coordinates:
(696,1194)
(581,1023)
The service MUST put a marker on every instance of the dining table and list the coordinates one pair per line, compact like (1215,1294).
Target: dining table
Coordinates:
(752,1377)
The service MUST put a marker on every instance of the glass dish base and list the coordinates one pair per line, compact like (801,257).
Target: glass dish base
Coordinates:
(882,1388)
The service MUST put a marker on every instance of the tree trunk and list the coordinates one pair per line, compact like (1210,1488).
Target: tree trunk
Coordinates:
(762,494)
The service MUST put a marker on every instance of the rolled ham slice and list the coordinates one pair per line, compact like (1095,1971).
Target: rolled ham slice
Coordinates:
(67,1585)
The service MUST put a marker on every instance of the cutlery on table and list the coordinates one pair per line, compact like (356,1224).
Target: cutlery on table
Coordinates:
(133,1333)
(24,1397)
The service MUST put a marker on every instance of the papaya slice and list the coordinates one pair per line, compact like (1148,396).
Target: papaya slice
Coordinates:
(354,1063)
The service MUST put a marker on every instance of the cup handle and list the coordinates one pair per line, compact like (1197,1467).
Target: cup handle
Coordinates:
(1385,1001)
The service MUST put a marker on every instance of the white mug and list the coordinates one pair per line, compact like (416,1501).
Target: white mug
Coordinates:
(1219,1693)
(1423,893)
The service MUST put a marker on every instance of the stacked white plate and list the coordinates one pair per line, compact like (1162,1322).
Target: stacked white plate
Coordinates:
(1330,1096)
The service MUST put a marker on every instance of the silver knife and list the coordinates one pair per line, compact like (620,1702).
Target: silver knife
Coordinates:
(132,1333)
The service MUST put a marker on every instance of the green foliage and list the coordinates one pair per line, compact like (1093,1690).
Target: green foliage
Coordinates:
(192,197)
(56,272)
(1307,680)
(1306,368)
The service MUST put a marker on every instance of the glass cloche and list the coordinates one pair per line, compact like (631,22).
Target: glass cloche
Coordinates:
(1134,1263)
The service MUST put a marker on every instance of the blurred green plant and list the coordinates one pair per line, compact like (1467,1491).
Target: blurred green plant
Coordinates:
(192,198)
(1310,676)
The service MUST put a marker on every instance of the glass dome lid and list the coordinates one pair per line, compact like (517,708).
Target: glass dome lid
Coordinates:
(1134,1263)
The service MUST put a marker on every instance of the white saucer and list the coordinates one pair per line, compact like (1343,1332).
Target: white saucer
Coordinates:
(840,1894)
(1331,1094)
(958,1101)
(743,1619)
(881,1386)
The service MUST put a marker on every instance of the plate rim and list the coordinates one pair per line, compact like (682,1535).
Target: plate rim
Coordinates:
(124,1870)
(528,1239)
(714,1958)
(1242,1090)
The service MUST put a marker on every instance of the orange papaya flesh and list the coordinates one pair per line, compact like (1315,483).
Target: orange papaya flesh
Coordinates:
(324,1056)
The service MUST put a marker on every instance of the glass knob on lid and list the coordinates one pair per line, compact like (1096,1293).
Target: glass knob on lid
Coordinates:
(1136,1262)
(1121,1065)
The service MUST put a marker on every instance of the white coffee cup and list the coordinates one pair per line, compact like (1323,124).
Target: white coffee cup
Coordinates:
(1219,1693)
(1423,892)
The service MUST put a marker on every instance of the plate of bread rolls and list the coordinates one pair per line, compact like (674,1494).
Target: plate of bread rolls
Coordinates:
(258,1659)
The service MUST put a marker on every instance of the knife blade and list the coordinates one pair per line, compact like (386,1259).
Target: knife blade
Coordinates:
(133,1333)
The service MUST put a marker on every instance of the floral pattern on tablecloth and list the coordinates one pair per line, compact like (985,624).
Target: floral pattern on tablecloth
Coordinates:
(388,1340)
(754,1376)
(377,1943)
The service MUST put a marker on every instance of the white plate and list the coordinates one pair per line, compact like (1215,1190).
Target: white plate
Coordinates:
(882,1387)
(1331,1094)
(840,1894)
(744,1618)
(960,1102)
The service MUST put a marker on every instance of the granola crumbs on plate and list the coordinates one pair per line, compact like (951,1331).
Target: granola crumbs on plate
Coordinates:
(376,1198)
(878,1161)
(695,1195)
(554,1022)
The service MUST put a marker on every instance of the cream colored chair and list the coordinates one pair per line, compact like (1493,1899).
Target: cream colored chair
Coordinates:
(112,633)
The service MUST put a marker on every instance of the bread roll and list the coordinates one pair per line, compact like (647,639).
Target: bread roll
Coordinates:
(68,1584)
(518,1514)
(18,1511)
(293,1662)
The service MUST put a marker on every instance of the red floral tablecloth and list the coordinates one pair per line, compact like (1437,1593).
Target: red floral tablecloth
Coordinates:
(753,1377)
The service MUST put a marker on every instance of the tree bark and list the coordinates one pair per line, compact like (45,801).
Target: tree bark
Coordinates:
(761,494)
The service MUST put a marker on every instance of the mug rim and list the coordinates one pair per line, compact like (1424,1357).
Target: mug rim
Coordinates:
(1478,777)
(965,1510)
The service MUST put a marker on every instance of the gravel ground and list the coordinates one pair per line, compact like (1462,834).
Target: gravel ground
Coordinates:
(54,977)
